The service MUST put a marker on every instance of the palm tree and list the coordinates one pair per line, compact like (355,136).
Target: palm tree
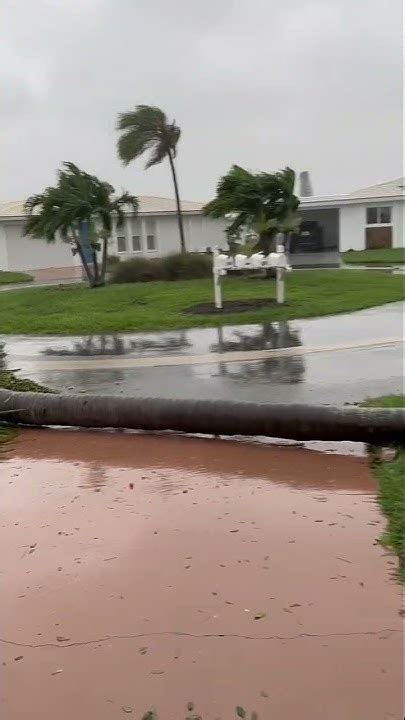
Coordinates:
(300,422)
(82,209)
(147,128)
(261,202)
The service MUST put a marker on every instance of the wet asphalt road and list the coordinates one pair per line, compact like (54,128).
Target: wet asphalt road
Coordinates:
(210,369)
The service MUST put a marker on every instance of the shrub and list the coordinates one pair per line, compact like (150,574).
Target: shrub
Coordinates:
(186,266)
(137,270)
(112,262)
(172,267)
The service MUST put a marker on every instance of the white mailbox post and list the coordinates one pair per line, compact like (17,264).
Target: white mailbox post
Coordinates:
(222,264)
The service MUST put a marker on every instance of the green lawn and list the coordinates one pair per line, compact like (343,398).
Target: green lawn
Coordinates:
(9,278)
(388,256)
(387,401)
(10,381)
(390,476)
(162,305)
(6,434)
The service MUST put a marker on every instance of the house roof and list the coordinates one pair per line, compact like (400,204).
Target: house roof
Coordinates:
(147,205)
(387,192)
(392,188)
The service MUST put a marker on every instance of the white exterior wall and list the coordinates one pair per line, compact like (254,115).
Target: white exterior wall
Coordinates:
(3,249)
(353,223)
(200,232)
(398,217)
(26,253)
(352,227)
(205,232)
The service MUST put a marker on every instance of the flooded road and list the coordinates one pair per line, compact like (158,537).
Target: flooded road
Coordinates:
(143,571)
(299,361)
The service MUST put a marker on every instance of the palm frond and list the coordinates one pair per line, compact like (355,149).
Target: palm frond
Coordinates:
(159,153)
(77,197)
(144,117)
(264,202)
(146,128)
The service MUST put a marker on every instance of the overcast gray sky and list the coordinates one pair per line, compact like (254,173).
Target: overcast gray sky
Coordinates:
(314,84)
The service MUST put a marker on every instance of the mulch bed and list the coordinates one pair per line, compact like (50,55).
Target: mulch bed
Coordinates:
(230,306)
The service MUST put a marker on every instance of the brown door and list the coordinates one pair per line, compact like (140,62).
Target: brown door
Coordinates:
(378,237)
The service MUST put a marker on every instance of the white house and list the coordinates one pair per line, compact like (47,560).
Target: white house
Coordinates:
(365,219)
(152,232)
(368,218)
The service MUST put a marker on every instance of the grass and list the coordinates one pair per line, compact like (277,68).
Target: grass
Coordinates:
(387,401)
(5,434)
(74,309)
(390,476)
(385,256)
(10,381)
(9,278)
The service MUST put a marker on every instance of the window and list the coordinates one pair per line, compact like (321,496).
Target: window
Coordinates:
(121,244)
(136,243)
(371,216)
(150,227)
(378,216)
(150,242)
(385,215)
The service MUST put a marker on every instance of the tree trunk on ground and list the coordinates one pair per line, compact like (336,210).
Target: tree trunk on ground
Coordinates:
(177,195)
(299,422)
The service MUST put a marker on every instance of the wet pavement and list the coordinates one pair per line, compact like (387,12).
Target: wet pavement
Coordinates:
(142,570)
(329,360)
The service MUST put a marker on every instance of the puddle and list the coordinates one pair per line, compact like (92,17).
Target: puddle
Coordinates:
(134,566)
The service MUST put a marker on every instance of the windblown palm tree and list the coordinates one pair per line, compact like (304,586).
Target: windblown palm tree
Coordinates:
(262,202)
(82,209)
(147,128)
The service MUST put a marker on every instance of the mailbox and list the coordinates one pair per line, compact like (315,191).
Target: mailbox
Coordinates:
(222,264)
(240,261)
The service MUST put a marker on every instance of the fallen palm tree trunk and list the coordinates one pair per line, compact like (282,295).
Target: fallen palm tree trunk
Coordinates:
(216,417)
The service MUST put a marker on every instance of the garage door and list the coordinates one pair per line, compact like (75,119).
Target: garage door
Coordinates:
(378,237)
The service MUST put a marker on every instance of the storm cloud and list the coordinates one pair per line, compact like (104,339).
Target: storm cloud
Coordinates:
(314,84)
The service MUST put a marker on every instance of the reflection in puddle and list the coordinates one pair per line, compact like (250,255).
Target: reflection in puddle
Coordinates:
(116,345)
(95,477)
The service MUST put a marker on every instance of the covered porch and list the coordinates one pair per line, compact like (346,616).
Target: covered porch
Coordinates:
(317,243)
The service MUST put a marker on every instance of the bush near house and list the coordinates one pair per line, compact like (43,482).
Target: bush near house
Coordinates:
(171,267)
(137,270)
(187,267)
